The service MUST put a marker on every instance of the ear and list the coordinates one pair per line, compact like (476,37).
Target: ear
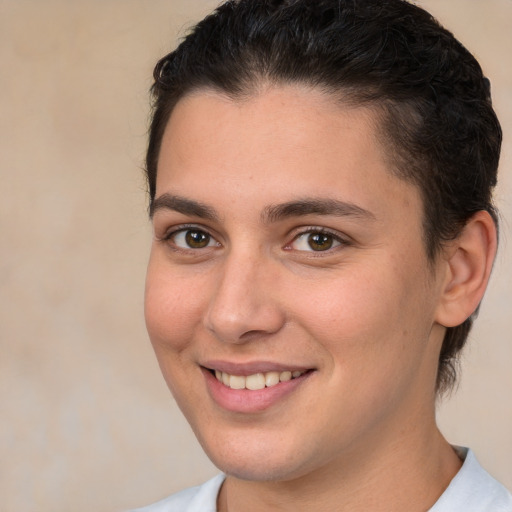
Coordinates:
(469,259)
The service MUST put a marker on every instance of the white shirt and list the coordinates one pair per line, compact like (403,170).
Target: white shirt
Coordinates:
(471,490)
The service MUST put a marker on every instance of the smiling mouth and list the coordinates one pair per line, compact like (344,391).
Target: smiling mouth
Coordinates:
(256,381)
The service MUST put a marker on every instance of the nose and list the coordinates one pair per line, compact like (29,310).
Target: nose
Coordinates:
(244,305)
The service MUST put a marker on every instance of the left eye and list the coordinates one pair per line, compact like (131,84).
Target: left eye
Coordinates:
(317,241)
(193,239)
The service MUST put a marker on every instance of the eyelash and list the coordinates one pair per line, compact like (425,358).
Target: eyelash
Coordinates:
(303,232)
(314,230)
(172,234)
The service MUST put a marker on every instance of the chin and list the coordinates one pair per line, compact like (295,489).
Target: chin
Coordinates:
(258,470)
(261,460)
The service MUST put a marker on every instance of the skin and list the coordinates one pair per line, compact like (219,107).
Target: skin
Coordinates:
(366,316)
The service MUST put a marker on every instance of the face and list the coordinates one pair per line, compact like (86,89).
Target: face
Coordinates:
(289,299)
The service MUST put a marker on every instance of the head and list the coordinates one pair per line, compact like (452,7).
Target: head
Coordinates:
(432,102)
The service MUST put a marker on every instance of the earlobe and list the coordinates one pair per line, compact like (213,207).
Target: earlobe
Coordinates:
(469,263)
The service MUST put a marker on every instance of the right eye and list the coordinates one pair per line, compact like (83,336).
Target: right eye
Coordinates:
(192,239)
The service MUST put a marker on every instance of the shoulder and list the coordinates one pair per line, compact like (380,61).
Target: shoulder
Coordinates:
(473,490)
(202,498)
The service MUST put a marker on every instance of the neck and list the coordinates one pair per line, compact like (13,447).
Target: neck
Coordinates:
(405,474)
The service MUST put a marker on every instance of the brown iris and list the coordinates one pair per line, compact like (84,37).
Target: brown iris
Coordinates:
(197,239)
(320,241)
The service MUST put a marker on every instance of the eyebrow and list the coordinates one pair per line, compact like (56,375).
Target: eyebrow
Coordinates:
(272,213)
(182,205)
(315,206)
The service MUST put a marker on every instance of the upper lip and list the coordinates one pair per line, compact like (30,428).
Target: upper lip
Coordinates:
(252,367)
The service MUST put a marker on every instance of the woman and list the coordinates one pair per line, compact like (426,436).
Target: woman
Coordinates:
(320,178)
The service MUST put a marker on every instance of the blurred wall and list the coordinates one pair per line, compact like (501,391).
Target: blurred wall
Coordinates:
(86,422)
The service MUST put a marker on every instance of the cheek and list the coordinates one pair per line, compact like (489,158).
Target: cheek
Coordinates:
(373,312)
(348,306)
(171,311)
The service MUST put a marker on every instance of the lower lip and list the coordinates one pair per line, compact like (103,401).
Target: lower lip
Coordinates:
(249,401)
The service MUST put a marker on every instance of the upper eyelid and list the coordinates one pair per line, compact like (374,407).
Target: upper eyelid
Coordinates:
(342,242)
(290,238)
(169,232)
(173,231)
(304,230)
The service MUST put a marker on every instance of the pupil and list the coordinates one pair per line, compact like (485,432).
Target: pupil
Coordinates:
(320,241)
(197,239)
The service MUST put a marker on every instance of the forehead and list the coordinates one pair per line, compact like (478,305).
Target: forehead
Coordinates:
(264,124)
(277,143)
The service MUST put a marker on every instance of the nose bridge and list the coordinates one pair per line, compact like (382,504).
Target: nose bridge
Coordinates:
(243,303)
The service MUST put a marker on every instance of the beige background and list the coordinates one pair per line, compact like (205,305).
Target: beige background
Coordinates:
(86,422)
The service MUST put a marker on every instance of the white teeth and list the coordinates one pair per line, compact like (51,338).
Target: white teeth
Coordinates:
(256,381)
(284,376)
(236,382)
(271,379)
